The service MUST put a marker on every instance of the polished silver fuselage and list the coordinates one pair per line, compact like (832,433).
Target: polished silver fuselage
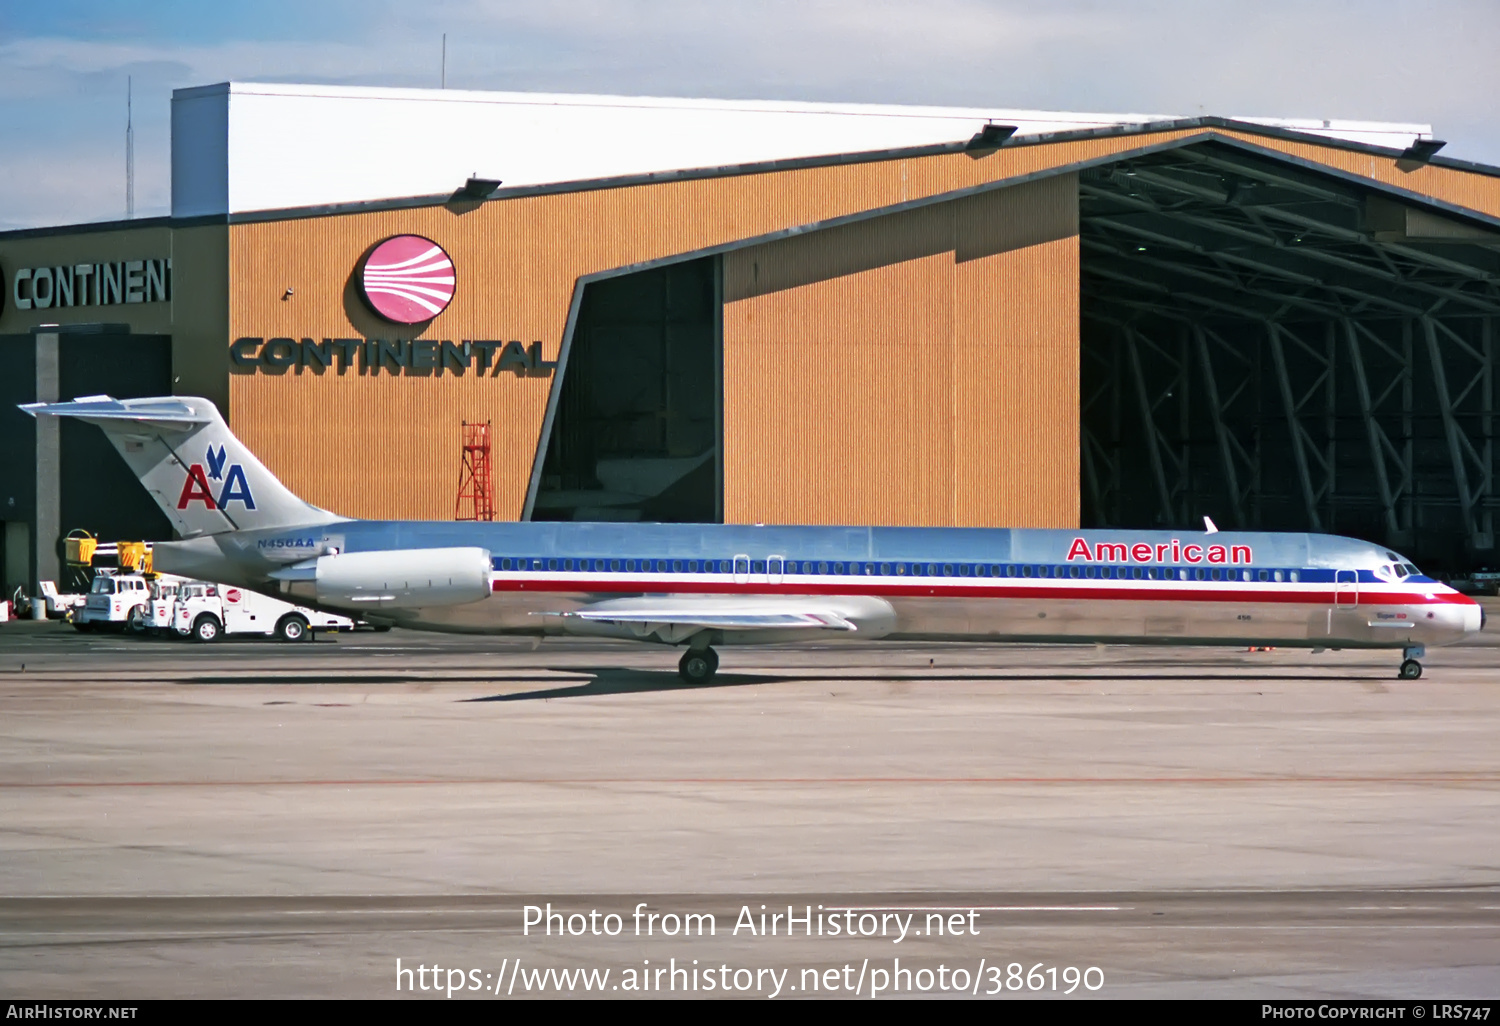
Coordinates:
(949,584)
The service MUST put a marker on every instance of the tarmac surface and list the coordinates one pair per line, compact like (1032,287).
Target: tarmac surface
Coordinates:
(254,819)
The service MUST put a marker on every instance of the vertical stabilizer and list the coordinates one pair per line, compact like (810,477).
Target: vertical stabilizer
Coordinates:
(199,473)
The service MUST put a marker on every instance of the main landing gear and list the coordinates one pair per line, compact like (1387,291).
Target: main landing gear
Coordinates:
(698,665)
(1410,668)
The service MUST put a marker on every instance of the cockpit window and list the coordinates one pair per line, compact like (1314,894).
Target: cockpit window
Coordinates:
(1411,569)
(1400,571)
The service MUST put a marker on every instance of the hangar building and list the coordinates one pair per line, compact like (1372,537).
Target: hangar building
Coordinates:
(685,310)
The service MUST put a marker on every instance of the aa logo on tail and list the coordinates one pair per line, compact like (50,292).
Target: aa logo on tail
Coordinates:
(234,487)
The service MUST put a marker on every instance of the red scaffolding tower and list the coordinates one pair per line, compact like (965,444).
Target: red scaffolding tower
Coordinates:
(474,475)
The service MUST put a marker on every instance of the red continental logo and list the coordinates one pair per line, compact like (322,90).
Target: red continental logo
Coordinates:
(408,279)
(1173,551)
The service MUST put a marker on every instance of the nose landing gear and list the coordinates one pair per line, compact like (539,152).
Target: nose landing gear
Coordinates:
(698,665)
(1410,668)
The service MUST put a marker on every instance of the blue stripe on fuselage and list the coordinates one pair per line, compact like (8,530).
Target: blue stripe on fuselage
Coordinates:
(1311,554)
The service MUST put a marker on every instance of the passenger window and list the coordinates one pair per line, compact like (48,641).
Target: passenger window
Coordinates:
(900,569)
(1246,575)
(885,569)
(1074,571)
(1278,575)
(1295,576)
(614,564)
(1264,575)
(1025,571)
(947,569)
(1044,571)
(1010,570)
(758,566)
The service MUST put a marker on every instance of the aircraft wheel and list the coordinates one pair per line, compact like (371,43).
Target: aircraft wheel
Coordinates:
(698,665)
(1410,670)
(207,628)
(292,628)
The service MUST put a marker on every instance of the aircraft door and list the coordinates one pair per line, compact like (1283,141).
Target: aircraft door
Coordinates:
(1346,589)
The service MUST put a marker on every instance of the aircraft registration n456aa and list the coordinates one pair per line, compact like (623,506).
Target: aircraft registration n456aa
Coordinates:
(699,586)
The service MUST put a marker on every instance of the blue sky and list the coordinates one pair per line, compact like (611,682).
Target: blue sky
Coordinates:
(64,63)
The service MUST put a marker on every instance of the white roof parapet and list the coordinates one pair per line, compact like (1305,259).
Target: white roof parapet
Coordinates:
(241,147)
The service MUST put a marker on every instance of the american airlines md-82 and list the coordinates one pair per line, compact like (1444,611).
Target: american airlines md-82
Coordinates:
(701,585)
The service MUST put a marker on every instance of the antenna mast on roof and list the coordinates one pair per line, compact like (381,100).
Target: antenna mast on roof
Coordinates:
(129,152)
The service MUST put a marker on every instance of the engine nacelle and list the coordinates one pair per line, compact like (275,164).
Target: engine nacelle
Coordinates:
(395,579)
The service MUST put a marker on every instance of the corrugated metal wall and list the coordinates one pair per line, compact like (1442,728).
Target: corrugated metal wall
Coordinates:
(920,368)
(388,447)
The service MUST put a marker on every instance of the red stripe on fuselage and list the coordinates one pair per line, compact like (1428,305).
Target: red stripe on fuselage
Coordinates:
(1166,591)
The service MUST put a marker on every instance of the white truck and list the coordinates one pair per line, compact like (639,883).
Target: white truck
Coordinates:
(114,602)
(162,607)
(206,612)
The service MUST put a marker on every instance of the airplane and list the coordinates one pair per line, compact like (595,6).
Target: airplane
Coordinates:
(698,586)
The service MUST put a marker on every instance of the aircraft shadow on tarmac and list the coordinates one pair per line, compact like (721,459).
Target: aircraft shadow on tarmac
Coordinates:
(616,681)
(629,682)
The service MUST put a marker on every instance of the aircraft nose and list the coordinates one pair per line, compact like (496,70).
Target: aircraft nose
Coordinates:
(1473,618)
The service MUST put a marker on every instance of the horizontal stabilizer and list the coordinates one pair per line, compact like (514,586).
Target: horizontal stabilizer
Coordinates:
(163,413)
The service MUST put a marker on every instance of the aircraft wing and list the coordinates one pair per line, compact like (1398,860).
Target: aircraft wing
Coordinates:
(674,619)
(817,619)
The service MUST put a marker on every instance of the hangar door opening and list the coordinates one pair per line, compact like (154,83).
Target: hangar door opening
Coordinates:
(1283,347)
(636,428)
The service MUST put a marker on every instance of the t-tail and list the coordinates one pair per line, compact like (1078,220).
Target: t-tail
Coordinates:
(204,478)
